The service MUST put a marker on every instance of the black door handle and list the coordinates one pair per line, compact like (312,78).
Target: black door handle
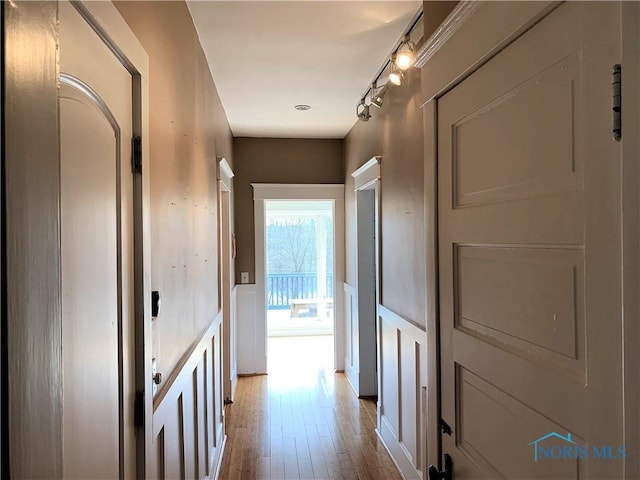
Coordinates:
(446,474)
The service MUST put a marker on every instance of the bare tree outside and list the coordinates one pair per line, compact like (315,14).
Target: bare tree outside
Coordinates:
(299,268)
(291,245)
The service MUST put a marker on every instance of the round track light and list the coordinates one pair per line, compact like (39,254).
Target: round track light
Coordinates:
(405,55)
(395,77)
(402,58)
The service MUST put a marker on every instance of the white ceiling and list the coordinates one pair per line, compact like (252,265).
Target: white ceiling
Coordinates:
(267,56)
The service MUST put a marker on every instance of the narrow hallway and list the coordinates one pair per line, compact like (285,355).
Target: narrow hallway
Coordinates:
(302,422)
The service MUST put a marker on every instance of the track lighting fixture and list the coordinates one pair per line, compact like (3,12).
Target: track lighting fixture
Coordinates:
(377,94)
(402,58)
(405,55)
(363,114)
(396,76)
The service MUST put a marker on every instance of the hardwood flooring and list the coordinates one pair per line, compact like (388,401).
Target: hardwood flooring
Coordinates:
(302,421)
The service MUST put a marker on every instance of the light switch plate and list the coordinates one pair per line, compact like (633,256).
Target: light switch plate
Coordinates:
(244,277)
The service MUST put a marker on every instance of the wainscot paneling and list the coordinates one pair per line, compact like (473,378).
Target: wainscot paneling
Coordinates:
(351,360)
(250,359)
(188,415)
(402,393)
(234,340)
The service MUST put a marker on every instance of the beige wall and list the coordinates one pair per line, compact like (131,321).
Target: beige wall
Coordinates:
(434,13)
(276,160)
(188,129)
(395,132)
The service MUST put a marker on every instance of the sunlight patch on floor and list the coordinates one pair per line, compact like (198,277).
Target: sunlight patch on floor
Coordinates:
(295,362)
(280,323)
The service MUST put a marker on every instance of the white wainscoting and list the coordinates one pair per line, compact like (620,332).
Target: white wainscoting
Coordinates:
(402,393)
(188,414)
(234,340)
(352,357)
(250,331)
(360,346)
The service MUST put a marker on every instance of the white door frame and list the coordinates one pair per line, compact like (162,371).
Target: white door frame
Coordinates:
(367,178)
(109,25)
(277,191)
(225,176)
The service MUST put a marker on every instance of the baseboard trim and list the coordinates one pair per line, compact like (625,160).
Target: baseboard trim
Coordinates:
(386,447)
(397,451)
(216,465)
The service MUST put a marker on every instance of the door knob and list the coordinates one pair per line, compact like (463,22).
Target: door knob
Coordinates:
(446,474)
(157,378)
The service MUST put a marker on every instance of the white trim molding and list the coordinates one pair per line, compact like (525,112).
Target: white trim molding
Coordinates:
(365,372)
(367,174)
(297,191)
(471,35)
(450,25)
(258,328)
(225,174)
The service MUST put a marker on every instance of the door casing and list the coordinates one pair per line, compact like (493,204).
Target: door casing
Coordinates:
(262,192)
(114,31)
(225,176)
(367,193)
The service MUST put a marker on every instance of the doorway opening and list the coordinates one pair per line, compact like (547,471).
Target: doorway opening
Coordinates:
(299,284)
(333,194)
(363,345)
(226,272)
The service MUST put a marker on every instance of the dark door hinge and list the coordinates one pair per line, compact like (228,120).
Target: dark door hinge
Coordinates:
(446,474)
(136,154)
(616,87)
(138,410)
(444,427)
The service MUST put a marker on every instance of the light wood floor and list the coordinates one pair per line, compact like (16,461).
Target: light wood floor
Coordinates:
(302,421)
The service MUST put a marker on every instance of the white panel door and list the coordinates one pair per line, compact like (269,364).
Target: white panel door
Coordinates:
(529,255)
(97,257)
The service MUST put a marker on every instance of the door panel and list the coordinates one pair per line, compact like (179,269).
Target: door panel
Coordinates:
(90,286)
(541,292)
(97,259)
(529,256)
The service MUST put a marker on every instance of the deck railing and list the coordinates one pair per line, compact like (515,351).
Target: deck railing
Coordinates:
(284,287)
